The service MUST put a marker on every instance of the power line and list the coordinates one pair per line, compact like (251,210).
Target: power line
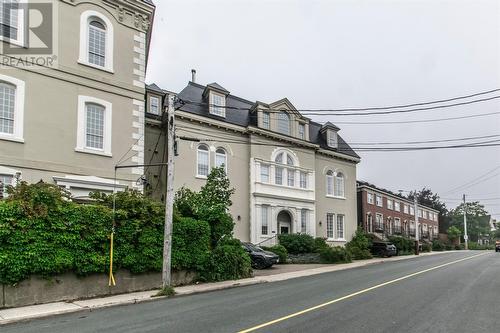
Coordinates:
(429,141)
(333,112)
(472,182)
(352,145)
(225,140)
(414,121)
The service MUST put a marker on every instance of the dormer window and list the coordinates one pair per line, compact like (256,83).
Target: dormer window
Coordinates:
(154,105)
(332,139)
(217,104)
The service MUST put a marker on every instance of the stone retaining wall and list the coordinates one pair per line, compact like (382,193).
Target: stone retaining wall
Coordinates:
(68,287)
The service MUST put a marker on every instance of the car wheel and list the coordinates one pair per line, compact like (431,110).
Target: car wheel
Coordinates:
(260,263)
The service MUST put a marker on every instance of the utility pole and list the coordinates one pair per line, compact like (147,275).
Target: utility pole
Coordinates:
(169,202)
(415,204)
(466,237)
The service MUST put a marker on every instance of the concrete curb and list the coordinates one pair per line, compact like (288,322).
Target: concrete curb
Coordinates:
(13,315)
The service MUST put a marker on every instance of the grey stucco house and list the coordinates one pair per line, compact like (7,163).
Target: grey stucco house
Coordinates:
(70,123)
(290,173)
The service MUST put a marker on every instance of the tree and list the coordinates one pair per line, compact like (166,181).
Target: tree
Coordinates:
(427,198)
(454,233)
(477,219)
(211,204)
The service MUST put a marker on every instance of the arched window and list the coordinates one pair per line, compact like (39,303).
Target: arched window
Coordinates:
(221,158)
(7,107)
(329,182)
(339,185)
(281,158)
(284,123)
(96,40)
(203,161)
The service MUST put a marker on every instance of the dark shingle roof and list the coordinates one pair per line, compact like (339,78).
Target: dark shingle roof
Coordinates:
(193,92)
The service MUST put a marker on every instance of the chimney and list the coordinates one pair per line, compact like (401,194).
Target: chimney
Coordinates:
(193,75)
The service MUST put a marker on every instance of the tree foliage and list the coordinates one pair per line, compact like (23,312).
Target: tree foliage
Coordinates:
(478,219)
(211,204)
(427,198)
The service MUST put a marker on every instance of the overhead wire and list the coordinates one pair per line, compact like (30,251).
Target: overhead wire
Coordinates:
(352,146)
(339,112)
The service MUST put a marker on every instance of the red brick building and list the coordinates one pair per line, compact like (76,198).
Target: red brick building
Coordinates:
(385,213)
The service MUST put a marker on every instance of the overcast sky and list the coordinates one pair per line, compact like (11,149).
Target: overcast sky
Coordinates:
(335,54)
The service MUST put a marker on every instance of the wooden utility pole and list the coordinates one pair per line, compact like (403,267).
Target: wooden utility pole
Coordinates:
(169,202)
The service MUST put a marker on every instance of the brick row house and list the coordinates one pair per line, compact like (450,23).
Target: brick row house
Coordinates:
(384,213)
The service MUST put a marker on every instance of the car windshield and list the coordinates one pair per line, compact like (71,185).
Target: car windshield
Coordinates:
(253,247)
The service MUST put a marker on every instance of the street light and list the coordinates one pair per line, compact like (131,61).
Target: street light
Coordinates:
(415,211)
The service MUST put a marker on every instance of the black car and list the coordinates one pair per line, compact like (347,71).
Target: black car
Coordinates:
(260,259)
(383,249)
(497,246)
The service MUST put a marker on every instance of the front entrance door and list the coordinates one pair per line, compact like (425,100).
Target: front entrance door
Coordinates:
(284,222)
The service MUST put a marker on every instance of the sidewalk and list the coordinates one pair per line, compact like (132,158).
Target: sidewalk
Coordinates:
(282,273)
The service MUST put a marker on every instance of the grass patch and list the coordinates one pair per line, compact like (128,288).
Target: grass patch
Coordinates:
(167,292)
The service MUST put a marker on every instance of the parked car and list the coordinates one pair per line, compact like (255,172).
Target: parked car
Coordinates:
(497,246)
(260,259)
(383,249)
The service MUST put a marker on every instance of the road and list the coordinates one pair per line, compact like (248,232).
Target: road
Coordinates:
(451,292)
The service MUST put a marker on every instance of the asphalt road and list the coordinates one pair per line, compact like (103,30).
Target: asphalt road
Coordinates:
(453,292)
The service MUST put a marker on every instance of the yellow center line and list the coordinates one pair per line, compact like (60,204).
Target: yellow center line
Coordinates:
(272,322)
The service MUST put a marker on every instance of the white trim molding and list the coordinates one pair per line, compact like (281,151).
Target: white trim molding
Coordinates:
(18,132)
(81,186)
(84,40)
(81,126)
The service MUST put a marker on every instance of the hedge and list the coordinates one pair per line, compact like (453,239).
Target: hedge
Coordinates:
(42,233)
(297,243)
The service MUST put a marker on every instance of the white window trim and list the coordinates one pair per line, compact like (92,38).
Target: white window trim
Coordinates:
(331,133)
(84,36)
(334,216)
(151,98)
(18,133)
(381,201)
(212,104)
(81,133)
(368,198)
(197,160)
(19,41)
(225,158)
(335,176)
(343,239)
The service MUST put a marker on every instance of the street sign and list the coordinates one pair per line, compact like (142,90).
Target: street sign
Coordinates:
(466,237)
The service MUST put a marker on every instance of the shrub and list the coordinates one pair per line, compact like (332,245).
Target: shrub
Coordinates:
(437,245)
(334,255)
(460,247)
(320,244)
(297,243)
(403,245)
(228,261)
(448,247)
(426,247)
(359,246)
(190,243)
(280,250)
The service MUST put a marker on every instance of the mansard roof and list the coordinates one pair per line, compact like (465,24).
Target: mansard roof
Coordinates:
(238,112)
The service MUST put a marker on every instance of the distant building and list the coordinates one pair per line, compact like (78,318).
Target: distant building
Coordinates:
(385,213)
